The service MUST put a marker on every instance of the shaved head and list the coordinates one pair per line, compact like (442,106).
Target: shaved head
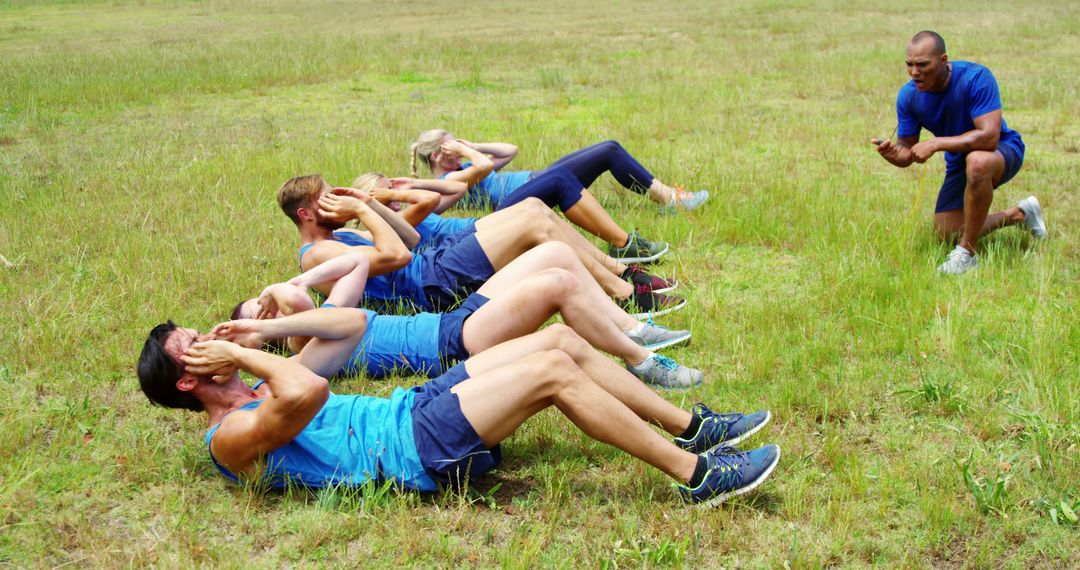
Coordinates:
(939,42)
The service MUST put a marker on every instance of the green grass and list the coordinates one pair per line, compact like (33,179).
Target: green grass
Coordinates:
(925,421)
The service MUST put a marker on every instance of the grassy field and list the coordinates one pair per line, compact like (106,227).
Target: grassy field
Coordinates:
(925,421)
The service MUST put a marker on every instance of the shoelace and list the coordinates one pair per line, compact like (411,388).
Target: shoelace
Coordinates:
(666,362)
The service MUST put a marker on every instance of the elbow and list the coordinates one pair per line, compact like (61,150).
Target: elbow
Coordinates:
(399,259)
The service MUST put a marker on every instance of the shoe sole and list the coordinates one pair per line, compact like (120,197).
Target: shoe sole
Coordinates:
(670,342)
(742,490)
(1039,230)
(752,431)
(674,285)
(664,311)
(650,259)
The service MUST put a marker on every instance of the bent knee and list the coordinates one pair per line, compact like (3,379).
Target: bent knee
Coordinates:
(981,163)
(557,281)
(555,369)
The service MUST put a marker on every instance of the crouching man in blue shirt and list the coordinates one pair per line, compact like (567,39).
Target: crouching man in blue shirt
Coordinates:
(958,101)
(290,429)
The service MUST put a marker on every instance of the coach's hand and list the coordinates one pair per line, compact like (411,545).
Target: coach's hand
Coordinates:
(213,358)
(922,151)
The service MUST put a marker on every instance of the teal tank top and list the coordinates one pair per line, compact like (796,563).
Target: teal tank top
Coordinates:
(495,187)
(397,344)
(405,284)
(352,440)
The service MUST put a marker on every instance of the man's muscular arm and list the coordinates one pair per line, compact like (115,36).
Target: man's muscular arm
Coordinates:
(245,436)
(984,136)
(389,253)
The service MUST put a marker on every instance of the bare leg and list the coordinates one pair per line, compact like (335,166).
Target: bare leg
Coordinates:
(528,304)
(496,402)
(616,380)
(984,169)
(590,216)
(504,242)
(547,256)
(535,208)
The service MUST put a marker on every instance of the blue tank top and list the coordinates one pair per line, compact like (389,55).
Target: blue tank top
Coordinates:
(435,230)
(406,345)
(404,284)
(495,187)
(352,440)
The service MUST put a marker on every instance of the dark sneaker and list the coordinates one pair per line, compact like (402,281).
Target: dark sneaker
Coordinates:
(637,275)
(638,249)
(663,372)
(731,472)
(654,337)
(722,429)
(644,303)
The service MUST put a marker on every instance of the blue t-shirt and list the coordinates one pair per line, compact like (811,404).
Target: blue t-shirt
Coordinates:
(405,284)
(972,92)
(392,343)
(495,187)
(352,440)
(435,230)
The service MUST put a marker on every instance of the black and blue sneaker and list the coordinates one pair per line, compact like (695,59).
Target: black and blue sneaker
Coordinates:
(731,472)
(722,429)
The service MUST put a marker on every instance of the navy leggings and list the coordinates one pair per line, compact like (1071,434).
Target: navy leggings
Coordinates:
(590,162)
(555,187)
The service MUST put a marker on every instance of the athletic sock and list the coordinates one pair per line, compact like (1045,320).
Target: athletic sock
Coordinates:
(699,472)
(695,425)
(644,364)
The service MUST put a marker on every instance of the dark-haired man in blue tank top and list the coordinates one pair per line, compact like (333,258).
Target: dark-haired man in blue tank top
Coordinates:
(959,102)
(290,429)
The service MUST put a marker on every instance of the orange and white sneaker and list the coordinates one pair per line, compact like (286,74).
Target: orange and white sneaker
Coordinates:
(683,201)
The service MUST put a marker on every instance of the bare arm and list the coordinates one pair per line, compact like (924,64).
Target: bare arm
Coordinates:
(422,202)
(984,136)
(389,252)
(480,168)
(245,436)
(405,231)
(501,153)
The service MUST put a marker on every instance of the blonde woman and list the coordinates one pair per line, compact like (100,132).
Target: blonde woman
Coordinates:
(586,164)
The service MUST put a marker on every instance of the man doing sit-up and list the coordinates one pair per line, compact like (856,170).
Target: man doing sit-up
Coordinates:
(291,428)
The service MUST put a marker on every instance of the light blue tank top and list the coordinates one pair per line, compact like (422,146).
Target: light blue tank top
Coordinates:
(352,440)
(405,345)
(435,229)
(404,284)
(494,188)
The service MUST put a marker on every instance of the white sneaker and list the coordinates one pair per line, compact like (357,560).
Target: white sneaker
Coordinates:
(958,262)
(1033,218)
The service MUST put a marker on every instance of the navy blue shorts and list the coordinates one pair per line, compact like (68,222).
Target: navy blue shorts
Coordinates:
(453,272)
(451,340)
(449,448)
(951,196)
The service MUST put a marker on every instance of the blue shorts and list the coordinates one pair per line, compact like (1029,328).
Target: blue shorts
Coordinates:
(453,272)
(951,196)
(449,448)
(451,340)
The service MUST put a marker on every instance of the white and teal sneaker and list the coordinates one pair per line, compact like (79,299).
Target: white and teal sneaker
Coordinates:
(958,262)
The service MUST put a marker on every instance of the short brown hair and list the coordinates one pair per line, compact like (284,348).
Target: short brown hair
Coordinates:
(299,192)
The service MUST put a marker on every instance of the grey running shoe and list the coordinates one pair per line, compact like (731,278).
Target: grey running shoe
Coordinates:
(663,372)
(654,337)
(638,249)
(1033,218)
(958,262)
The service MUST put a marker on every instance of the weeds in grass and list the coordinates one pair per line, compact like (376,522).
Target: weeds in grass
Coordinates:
(643,553)
(1048,439)
(945,394)
(991,492)
(1061,512)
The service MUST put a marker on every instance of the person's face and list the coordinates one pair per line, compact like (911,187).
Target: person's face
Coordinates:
(320,220)
(928,70)
(180,340)
(446,161)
